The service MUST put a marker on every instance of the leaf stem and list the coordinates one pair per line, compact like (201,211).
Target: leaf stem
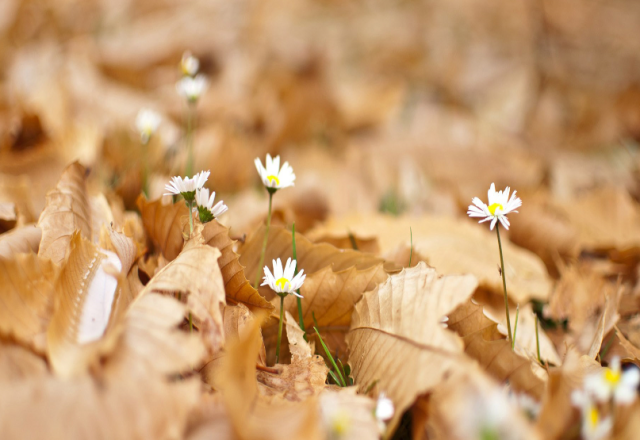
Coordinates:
(264,242)
(504,285)
(295,272)
(280,327)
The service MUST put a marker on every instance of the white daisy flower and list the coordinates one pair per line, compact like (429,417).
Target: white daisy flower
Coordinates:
(186,187)
(274,177)
(283,281)
(189,64)
(147,122)
(594,427)
(206,210)
(613,382)
(499,206)
(384,411)
(192,88)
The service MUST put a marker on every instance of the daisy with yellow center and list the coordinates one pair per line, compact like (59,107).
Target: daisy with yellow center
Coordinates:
(189,64)
(207,211)
(283,282)
(187,188)
(147,122)
(613,383)
(499,206)
(593,426)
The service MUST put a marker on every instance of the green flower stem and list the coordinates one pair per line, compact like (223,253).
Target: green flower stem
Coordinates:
(264,242)
(191,110)
(145,169)
(189,204)
(504,286)
(538,341)
(280,326)
(295,272)
(515,328)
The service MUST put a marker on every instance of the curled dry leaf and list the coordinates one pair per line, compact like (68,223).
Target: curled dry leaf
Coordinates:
(165,224)
(195,277)
(396,337)
(250,416)
(455,246)
(238,289)
(131,398)
(68,209)
(26,299)
(20,240)
(484,343)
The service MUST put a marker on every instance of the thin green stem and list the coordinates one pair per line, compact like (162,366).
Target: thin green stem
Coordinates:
(515,327)
(145,169)
(352,239)
(190,208)
(538,341)
(280,328)
(264,244)
(333,362)
(295,272)
(504,285)
(190,323)
(189,137)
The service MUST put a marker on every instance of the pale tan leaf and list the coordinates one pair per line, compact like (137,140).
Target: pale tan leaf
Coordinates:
(165,224)
(18,363)
(20,240)
(397,338)
(484,343)
(349,241)
(26,299)
(237,287)
(298,347)
(194,276)
(8,212)
(455,246)
(298,381)
(68,209)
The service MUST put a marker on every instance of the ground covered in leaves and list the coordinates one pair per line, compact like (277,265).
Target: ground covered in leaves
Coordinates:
(393,115)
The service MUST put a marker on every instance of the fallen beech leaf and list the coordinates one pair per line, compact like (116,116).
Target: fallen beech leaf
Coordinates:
(455,246)
(26,298)
(350,241)
(8,216)
(484,343)
(298,347)
(18,191)
(164,224)
(68,209)
(209,420)
(238,289)
(82,307)
(20,240)
(18,363)
(396,337)
(195,277)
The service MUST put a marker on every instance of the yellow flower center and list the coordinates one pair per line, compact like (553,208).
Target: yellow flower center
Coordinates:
(282,282)
(272,178)
(494,206)
(340,424)
(593,417)
(612,377)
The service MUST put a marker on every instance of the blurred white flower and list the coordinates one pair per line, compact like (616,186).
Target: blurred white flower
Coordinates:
(186,187)
(206,210)
(384,411)
(273,176)
(594,427)
(192,88)
(334,417)
(499,206)
(147,122)
(283,281)
(613,382)
(189,64)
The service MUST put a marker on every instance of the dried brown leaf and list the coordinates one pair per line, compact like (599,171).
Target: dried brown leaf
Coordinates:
(20,240)
(165,224)
(396,337)
(237,287)
(68,209)
(18,363)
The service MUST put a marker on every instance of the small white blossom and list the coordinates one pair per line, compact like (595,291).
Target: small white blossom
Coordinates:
(613,383)
(192,88)
(206,210)
(384,411)
(594,427)
(273,176)
(186,187)
(283,281)
(499,206)
(189,64)
(147,122)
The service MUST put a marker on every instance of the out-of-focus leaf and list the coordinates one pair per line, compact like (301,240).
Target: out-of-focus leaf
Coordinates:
(20,240)
(396,337)
(18,363)
(68,209)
